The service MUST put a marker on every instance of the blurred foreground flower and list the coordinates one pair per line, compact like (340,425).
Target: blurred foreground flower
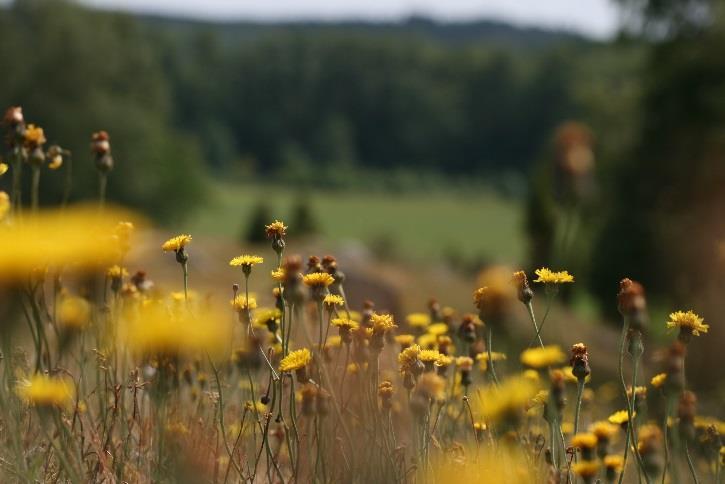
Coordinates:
(79,237)
(44,391)
(508,401)
(154,329)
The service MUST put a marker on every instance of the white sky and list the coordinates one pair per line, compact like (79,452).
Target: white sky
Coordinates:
(594,17)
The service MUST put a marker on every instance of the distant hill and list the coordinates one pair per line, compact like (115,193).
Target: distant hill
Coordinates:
(492,32)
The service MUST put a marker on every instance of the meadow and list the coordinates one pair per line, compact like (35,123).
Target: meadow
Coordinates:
(272,370)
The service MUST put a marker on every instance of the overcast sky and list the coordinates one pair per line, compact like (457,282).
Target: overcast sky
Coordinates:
(594,17)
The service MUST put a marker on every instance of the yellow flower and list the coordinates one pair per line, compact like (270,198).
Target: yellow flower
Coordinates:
(264,316)
(584,441)
(482,358)
(239,303)
(431,386)
(116,272)
(318,279)
(177,243)
(279,275)
(429,355)
(620,417)
(154,329)
(427,340)
(295,360)
(532,375)
(246,260)
(3,168)
(465,363)
(437,329)
(659,380)
(74,312)
(603,430)
(332,300)
(275,229)
(34,135)
(508,399)
(688,321)
(587,469)
(382,322)
(4,205)
(405,340)
(78,238)
(443,361)
(408,358)
(418,320)
(547,276)
(345,323)
(614,462)
(44,391)
(542,357)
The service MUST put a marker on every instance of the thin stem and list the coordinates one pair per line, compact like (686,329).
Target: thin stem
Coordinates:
(579,392)
(690,464)
(68,182)
(622,341)
(221,418)
(102,182)
(549,298)
(185,268)
(530,307)
(35,188)
(490,355)
(665,429)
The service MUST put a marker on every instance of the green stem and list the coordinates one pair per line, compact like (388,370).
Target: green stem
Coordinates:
(490,355)
(533,321)
(185,269)
(690,464)
(665,429)
(102,182)
(579,392)
(221,418)
(622,341)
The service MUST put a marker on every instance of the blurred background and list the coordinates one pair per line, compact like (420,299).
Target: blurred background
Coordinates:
(420,142)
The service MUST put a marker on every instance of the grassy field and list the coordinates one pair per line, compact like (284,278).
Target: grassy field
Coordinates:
(420,225)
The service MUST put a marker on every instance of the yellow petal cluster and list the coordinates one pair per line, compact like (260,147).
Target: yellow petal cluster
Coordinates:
(547,276)
(295,360)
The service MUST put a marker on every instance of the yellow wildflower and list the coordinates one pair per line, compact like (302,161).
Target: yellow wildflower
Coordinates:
(345,323)
(295,360)
(508,400)
(177,243)
(428,340)
(408,358)
(688,321)
(34,135)
(542,357)
(482,358)
(586,469)
(246,260)
(429,356)
(620,417)
(603,430)
(405,340)
(614,463)
(437,329)
(3,168)
(382,322)
(116,272)
(318,279)
(240,303)
(547,276)
(74,313)
(659,380)
(275,229)
(584,441)
(279,274)
(45,391)
(332,300)
(4,204)
(532,375)
(418,320)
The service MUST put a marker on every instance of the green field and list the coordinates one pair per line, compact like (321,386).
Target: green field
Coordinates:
(480,225)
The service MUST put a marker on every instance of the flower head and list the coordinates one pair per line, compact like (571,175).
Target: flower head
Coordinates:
(45,391)
(418,320)
(658,380)
(240,303)
(345,323)
(603,430)
(620,417)
(276,229)
(332,300)
(295,360)
(318,279)
(508,400)
(584,441)
(615,463)
(586,469)
(3,168)
(542,357)
(382,322)
(409,358)
(246,261)
(34,136)
(177,243)
(688,322)
(547,276)
(116,272)
(74,313)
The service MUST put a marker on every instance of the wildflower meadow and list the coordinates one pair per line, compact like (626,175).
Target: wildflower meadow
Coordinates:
(110,374)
